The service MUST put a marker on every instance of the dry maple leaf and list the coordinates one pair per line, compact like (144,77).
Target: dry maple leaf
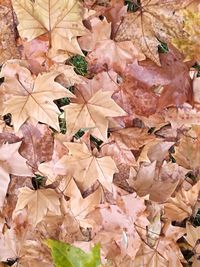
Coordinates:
(91,111)
(106,53)
(165,252)
(159,182)
(153,21)
(38,202)
(31,98)
(114,227)
(187,153)
(11,162)
(180,207)
(86,168)
(78,205)
(60,20)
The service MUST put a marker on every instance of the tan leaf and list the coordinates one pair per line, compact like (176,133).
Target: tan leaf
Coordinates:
(154,20)
(60,20)
(31,98)
(38,203)
(133,138)
(80,206)
(193,234)
(86,168)
(159,182)
(180,207)
(114,226)
(187,154)
(91,111)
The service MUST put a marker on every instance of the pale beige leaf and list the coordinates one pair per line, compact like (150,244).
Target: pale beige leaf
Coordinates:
(92,114)
(86,168)
(38,203)
(60,20)
(29,98)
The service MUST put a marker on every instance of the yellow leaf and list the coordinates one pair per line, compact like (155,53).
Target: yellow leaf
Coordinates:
(189,44)
(61,20)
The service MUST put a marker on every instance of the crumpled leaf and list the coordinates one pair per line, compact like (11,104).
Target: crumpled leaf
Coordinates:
(106,53)
(155,20)
(180,207)
(60,20)
(31,98)
(187,154)
(66,255)
(11,162)
(158,181)
(38,202)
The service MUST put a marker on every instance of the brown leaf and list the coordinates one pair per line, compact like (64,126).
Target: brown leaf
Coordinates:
(37,144)
(180,207)
(8,45)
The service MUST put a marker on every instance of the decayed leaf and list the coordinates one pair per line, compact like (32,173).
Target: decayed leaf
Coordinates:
(31,98)
(8,46)
(37,144)
(60,20)
(86,168)
(165,252)
(38,203)
(180,207)
(67,255)
(189,44)
(187,154)
(91,111)
(172,79)
(155,20)
(11,162)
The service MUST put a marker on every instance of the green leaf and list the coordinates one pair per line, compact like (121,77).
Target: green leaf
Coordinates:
(66,255)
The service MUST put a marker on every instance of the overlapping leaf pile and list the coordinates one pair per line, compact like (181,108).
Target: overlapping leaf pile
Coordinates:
(99,133)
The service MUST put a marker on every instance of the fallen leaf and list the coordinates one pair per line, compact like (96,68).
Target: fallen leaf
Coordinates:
(38,202)
(86,168)
(154,20)
(180,207)
(32,98)
(11,162)
(91,111)
(67,255)
(61,21)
